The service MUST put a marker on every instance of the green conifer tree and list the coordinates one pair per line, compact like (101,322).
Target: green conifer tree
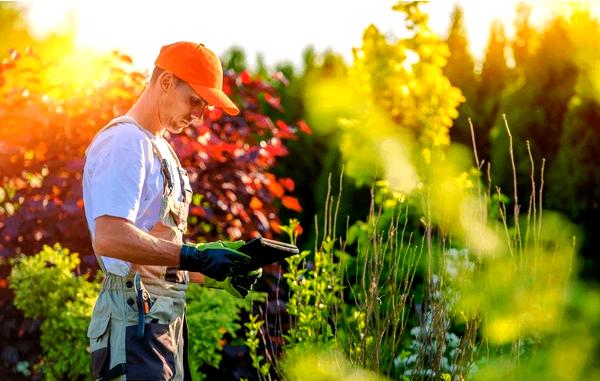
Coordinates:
(493,80)
(460,71)
(535,105)
(524,39)
(574,177)
(235,58)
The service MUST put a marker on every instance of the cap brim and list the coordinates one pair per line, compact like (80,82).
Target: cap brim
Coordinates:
(217,98)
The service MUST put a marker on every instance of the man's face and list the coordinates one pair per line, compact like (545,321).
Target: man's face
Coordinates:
(180,106)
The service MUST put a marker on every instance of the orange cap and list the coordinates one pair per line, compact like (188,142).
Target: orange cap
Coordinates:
(200,68)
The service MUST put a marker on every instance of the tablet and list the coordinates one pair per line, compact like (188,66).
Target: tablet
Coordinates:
(264,251)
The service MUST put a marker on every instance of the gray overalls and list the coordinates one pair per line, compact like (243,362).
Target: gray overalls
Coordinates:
(117,351)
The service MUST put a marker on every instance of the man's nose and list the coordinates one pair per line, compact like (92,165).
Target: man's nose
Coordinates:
(196,119)
(197,115)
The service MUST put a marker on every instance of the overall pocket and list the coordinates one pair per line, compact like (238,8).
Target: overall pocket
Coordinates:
(99,335)
(153,356)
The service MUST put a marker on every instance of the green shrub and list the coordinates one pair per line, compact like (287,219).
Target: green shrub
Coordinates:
(47,288)
(314,292)
(211,314)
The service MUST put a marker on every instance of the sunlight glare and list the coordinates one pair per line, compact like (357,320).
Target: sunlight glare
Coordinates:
(51,16)
(138,31)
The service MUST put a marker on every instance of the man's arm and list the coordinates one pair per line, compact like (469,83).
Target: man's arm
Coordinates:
(118,238)
(196,278)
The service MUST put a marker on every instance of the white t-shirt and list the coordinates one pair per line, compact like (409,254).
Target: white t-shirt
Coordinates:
(122,178)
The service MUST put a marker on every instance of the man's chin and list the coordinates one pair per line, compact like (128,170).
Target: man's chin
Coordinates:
(175,129)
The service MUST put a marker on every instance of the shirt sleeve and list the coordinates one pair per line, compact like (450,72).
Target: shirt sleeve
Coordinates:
(117,177)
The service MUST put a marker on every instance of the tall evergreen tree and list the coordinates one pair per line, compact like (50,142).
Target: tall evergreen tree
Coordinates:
(535,106)
(494,71)
(460,71)
(493,80)
(523,41)
(460,66)
(574,177)
(261,66)
(235,58)
(308,59)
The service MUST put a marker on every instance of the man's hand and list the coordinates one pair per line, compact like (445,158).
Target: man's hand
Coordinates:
(217,260)
(237,285)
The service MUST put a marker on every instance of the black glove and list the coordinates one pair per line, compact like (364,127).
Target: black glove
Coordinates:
(217,260)
(243,283)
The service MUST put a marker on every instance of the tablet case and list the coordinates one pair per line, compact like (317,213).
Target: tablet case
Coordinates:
(264,251)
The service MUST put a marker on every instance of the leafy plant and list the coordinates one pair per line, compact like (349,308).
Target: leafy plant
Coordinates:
(314,292)
(47,288)
(381,280)
(253,330)
(211,315)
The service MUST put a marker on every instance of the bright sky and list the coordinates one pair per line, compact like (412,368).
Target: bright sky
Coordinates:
(279,29)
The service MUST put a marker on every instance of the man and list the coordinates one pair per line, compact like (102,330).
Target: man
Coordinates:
(136,197)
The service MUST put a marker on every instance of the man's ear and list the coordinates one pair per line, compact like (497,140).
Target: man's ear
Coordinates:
(166,80)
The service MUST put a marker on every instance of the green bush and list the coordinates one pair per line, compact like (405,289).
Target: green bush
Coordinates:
(210,315)
(47,288)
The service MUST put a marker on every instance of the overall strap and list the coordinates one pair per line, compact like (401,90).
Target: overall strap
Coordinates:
(164,165)
(113,122)
(180,171)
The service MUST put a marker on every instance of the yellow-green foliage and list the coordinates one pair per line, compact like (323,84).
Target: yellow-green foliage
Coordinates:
(569,354)
(47,288)
(404,77)
(394,96)
(305,362)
